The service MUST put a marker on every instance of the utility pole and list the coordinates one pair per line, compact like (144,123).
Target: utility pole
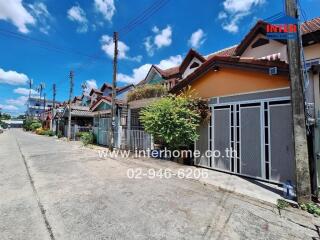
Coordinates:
(30,87)
(44,106)
(40,89)
(114,85)
(71,75)
(53,104)
(299,125)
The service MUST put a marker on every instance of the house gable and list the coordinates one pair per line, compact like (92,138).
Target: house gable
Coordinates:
(102,104)
(262,48)
(154,77)
(193,65)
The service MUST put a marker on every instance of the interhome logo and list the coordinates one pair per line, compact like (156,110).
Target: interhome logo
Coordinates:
(284,27)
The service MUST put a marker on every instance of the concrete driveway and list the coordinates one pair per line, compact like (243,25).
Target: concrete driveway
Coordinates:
(52,189)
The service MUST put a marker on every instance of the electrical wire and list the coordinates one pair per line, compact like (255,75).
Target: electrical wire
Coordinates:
(143,17)
(45,44)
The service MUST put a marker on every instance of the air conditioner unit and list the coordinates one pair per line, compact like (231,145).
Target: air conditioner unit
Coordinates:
(273,71)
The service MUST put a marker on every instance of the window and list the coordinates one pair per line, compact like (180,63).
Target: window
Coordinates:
(194,65)
(260,42)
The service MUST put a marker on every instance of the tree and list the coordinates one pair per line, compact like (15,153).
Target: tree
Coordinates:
(172,119)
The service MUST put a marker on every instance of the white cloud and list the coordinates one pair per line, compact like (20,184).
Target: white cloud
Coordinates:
(235,11)
(24,91)
(149,46)
(222,15)
(13,77)
(77,14)
(20,101)
(40,12)
(197,38)
(106,8)
(16,13)
(91,83)
(170,62)
(108,47)
(140,73)
(162,38)
(137,74)
(8,108)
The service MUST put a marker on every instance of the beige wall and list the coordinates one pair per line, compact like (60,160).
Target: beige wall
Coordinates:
(265,50)
(229,81)
(310,52)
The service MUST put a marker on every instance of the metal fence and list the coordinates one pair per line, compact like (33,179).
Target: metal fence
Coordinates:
(139,139)
(75,130)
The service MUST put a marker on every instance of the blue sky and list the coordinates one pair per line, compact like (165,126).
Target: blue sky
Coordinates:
(85,27)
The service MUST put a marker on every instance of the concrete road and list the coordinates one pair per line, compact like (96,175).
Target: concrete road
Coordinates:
(52,189)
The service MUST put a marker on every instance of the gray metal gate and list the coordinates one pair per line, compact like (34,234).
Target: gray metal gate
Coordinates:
(261,134)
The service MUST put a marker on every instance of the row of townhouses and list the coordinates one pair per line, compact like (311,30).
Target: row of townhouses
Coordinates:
(247,87)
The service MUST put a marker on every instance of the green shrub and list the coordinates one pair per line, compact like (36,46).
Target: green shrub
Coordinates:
(35,125)
(79,134)
(31,124)
(87,138)
(311,208)
(3,124)
(172,119)
(147,91)
(59,135)
(49,133)
(282,204)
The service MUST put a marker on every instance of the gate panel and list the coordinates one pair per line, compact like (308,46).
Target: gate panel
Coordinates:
(281,138)
(221,137)
(251,141)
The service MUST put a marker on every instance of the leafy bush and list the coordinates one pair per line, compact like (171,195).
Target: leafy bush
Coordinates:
(59,135)
(173,119)
(147,91)
(35,125)
(87,138)
(311,208)
(3,124)
(49,133)
(79,134)
(40,131)
(282,204)
(31,124)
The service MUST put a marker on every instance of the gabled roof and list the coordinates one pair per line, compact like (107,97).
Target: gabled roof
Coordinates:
(106,99)
(217,62)
(307,28)
(226,52)
(191,54)
(94,90)
(310,26)
(104,86)
(124,88)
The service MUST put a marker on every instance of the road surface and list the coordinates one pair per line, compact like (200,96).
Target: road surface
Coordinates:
(51,189)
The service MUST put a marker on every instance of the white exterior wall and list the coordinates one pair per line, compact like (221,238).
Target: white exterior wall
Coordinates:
(188,70)
(273,47)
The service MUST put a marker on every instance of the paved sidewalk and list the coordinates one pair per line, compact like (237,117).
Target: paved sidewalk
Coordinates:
(79,196)
(20,215)
(255,189)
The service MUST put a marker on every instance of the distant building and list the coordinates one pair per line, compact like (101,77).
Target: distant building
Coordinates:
(14,123)
(35,106)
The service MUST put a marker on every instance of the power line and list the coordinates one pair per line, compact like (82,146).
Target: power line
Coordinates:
(45,44)
(143,13)
(144,17)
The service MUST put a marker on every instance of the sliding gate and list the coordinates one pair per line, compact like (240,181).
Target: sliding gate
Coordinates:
(252,138)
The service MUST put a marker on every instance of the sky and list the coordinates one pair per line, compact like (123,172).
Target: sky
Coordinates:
(42,40)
